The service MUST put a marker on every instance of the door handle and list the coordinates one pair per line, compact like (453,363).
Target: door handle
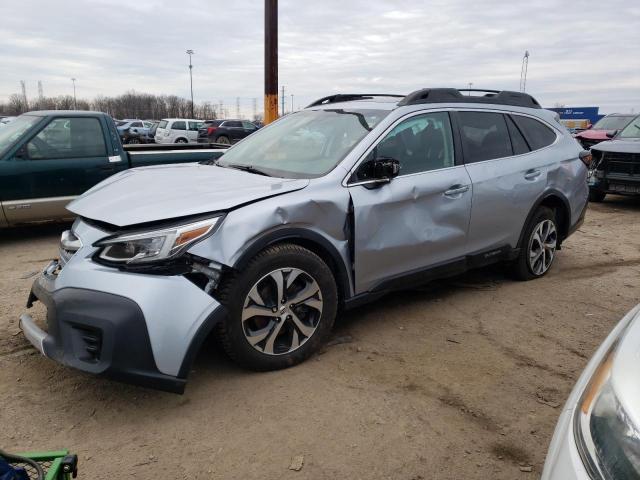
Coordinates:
(108,168)
(532,174)
(456,190)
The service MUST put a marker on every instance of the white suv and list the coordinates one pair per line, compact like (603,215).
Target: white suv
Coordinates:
(178,130)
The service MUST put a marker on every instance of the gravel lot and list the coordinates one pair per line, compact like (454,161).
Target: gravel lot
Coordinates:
(461,379)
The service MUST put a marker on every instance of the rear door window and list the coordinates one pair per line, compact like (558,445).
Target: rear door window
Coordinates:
(180,125)
(484,136)
(233,124)
(518,142)
(537,134)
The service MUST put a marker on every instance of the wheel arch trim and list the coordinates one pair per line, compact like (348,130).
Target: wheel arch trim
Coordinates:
(548,195)
(305,238)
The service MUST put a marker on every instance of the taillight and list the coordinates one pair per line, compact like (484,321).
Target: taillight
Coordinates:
(210,130)
(586,157)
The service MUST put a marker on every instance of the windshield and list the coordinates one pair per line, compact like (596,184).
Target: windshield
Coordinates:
(15,129)
(306,144)
(612,123)
(630,131)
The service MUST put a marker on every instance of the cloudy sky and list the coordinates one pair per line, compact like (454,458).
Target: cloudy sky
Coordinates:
(582,53)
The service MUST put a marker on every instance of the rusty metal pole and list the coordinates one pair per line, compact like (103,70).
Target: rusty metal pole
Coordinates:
(270,61)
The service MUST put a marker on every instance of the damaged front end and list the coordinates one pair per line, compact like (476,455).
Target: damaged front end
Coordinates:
(132,306)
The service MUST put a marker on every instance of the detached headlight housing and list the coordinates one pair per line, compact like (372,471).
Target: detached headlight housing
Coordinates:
(607,438)
(156,245)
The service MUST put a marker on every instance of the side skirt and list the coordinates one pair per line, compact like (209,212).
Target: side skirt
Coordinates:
(443,270)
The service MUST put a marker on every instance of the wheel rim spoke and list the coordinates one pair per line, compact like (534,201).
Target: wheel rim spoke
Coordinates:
(304,329)
(542,247)
(282,311)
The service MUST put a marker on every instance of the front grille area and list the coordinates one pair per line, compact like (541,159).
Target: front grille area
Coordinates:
(623,163)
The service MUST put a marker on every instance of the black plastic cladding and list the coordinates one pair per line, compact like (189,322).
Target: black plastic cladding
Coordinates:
(453,95)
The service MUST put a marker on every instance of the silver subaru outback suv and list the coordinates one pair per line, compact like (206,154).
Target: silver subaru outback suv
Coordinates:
(327,208)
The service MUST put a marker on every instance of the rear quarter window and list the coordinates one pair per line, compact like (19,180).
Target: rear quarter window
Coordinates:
(538,135)
(163,124)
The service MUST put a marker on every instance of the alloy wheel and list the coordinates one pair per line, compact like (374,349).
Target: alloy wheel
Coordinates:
(542,247)
(282,311)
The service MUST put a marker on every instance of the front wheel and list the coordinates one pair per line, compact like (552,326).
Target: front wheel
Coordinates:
(134,141)
(596,196)
(281,308)
(538,249)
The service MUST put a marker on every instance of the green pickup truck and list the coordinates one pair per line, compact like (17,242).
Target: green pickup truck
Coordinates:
(48,158)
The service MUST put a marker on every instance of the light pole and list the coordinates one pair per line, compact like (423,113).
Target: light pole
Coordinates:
(75,103)
(470,85)
(523,71)
(191,52)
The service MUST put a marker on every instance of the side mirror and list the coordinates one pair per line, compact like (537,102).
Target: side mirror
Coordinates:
(22,153)
(612,134)
(377,171)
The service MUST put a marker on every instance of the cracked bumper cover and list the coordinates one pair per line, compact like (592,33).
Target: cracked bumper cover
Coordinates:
(106,333)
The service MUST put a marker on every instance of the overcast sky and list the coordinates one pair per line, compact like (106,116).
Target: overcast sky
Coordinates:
(582,53)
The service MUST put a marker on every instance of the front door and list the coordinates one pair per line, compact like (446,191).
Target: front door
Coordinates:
(420,218)
(67,157)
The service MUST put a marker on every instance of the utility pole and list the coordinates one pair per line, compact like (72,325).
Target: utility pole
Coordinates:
(238,107)
(221,109)
(292,103)
(191,52)
(282,100)
(75,102)
(40,91)
(255,108)
(470,85)
(523,71)
(270,61)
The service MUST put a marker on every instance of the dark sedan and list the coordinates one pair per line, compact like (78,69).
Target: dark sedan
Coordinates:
(225,131)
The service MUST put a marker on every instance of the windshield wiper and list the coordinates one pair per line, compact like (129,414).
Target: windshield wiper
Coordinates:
(245,168)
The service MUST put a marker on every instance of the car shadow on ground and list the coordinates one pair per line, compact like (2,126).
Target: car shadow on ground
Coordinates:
(33,232)
(622,202)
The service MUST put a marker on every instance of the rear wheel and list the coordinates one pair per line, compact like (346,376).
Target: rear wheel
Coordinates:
(181,140)
(538,249)
(134,141)
(596,196)
(223,139)
(281,308)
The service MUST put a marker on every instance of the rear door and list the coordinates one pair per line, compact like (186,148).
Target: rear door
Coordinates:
(419,219)
(178,131)
(236,132)
(66,157)
(507,173)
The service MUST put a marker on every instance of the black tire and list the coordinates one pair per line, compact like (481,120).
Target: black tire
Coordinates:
(182,140)
(134,141)
(596,196)
(223,139)
(234,292)
(522,268)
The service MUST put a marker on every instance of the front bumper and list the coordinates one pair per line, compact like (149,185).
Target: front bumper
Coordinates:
(137,328)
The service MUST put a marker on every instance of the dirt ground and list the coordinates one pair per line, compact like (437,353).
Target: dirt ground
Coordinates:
(461,379)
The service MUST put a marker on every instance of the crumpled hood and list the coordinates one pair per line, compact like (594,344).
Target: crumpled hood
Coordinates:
(163,192)
(594,134)
(630,145)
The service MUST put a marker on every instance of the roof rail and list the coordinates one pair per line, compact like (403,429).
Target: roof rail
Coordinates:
(454,95)
(347,97)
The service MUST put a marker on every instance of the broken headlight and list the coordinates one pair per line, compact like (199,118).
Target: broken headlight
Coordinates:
(607,437)
(156,245)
